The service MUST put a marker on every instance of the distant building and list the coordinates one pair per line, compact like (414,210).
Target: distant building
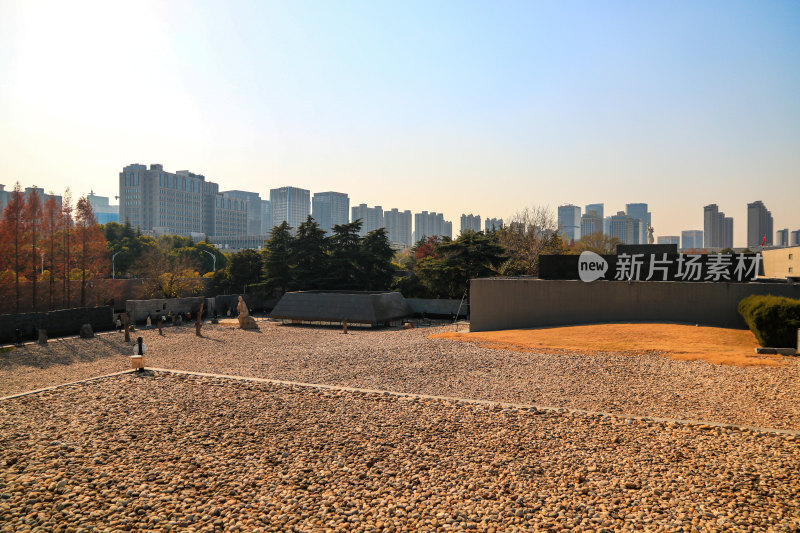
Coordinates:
(103,212)
(266,217)
(230,216)
(607,225)
(597,208)
(330,209)
(178,203)
(371,217)
(782,237)
(431,224)
(492,224)
(692,239)
(759,225)
(291,205)
(255,215)
(782,262)
(795,238)
(669,239)
(569,222)
(398,227)
(6,195)
(639,212)
(237,242)
(717,228)
(470,223)
(623,228)
(591,223)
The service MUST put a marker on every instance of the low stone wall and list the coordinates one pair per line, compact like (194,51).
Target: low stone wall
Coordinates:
(57,323)
(139,309)
(516,303)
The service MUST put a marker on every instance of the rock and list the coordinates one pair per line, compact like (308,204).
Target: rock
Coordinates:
(247,322)
(86,331)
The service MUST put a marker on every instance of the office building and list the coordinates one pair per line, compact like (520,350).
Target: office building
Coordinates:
(492,224)
(291,205)
(178,203)
(597,208)
(782,237)
(266,217)
(670,239)
(759,225)
(431,224)
(717,228)
(371,217)
(255,215)
(591,223)
(639,212)
(470,223)
(569,222)
(607,225)
(692,240)
(6,195)
(794,238)
(398,227)
(330,209)
(231,217)
(623,228)
(103,212)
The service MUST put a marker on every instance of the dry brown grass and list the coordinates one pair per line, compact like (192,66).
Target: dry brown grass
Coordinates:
(684,343)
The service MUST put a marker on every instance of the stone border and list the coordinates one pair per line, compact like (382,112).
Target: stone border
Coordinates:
(700,424)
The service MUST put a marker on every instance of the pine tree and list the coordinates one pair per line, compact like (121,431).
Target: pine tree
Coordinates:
(309,257)
(345,256)
(277,257)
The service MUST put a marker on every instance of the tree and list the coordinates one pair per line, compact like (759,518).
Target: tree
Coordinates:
(67,222)
(531,233)
(13,235)
(33,224)
(472,255)
(376,268)
(309,257)
(51,226)
(598,243)
(165,277)
(245,269)
(276,257)
(92,253)
(345,256)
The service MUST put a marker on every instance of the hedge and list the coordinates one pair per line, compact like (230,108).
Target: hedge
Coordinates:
(774,320)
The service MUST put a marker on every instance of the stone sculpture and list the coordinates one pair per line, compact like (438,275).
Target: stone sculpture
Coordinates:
(245,320)
(650,231)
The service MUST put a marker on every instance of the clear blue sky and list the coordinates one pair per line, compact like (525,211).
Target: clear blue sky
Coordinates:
(481,107)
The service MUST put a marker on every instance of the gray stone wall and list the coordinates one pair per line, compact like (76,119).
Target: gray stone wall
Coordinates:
(57,323)
(516,303)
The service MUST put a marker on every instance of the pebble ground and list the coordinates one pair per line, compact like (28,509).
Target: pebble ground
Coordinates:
(164,452)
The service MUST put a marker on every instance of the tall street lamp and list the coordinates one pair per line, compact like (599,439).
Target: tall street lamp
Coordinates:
(42,252)
(214,257)
(114,266)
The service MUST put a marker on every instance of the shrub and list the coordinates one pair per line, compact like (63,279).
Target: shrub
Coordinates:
(774,320)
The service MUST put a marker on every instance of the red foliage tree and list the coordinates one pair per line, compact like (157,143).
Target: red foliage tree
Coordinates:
(52,223)
(13,236)
(66,223)
(91,250)
(33,225)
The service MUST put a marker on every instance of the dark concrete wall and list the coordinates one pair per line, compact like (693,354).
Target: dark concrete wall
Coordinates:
(433,307)
(528,303)
(57,323)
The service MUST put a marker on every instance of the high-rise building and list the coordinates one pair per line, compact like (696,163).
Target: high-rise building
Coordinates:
(492,224)
(103,212)
(591,223)
(669,239)
(782,237)
(255,214)
(607,225)
(398,227)
(794,238)
(470,223)
(623,228)
(727,233)
(569,222)
(162,202)
(43,197)
(639,212)
(759,225)
(717,228)
(371,217)
(330,209)
(597,208)
(692,240)
(291,205)
(230,216)
(266,217)
(431,224)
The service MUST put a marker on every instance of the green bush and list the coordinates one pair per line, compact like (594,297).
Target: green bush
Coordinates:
(772,319)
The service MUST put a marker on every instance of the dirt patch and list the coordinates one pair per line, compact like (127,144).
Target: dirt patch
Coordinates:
(719,346)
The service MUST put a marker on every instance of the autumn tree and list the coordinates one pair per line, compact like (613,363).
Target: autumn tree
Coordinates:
(51,226)
(599,243)
(166,277)
(531,233)
(33,224)
(66,223)
(91,251)
(13,236)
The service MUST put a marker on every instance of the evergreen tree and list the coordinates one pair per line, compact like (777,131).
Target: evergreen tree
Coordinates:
(309,255)
(377,271)
(244,268)
(345,257)
(277,256)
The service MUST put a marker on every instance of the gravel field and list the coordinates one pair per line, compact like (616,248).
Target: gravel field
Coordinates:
(408,361)
(169,452)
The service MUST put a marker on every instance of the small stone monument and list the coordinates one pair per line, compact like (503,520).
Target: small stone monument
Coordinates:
(42,337)
(245,320)
(86,331)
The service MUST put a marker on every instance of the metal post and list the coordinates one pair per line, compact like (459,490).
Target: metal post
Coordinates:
(114,265)
(214,257)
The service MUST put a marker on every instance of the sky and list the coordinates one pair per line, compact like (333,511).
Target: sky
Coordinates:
(455,107)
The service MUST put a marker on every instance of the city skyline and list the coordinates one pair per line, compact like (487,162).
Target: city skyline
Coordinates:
(678,106)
